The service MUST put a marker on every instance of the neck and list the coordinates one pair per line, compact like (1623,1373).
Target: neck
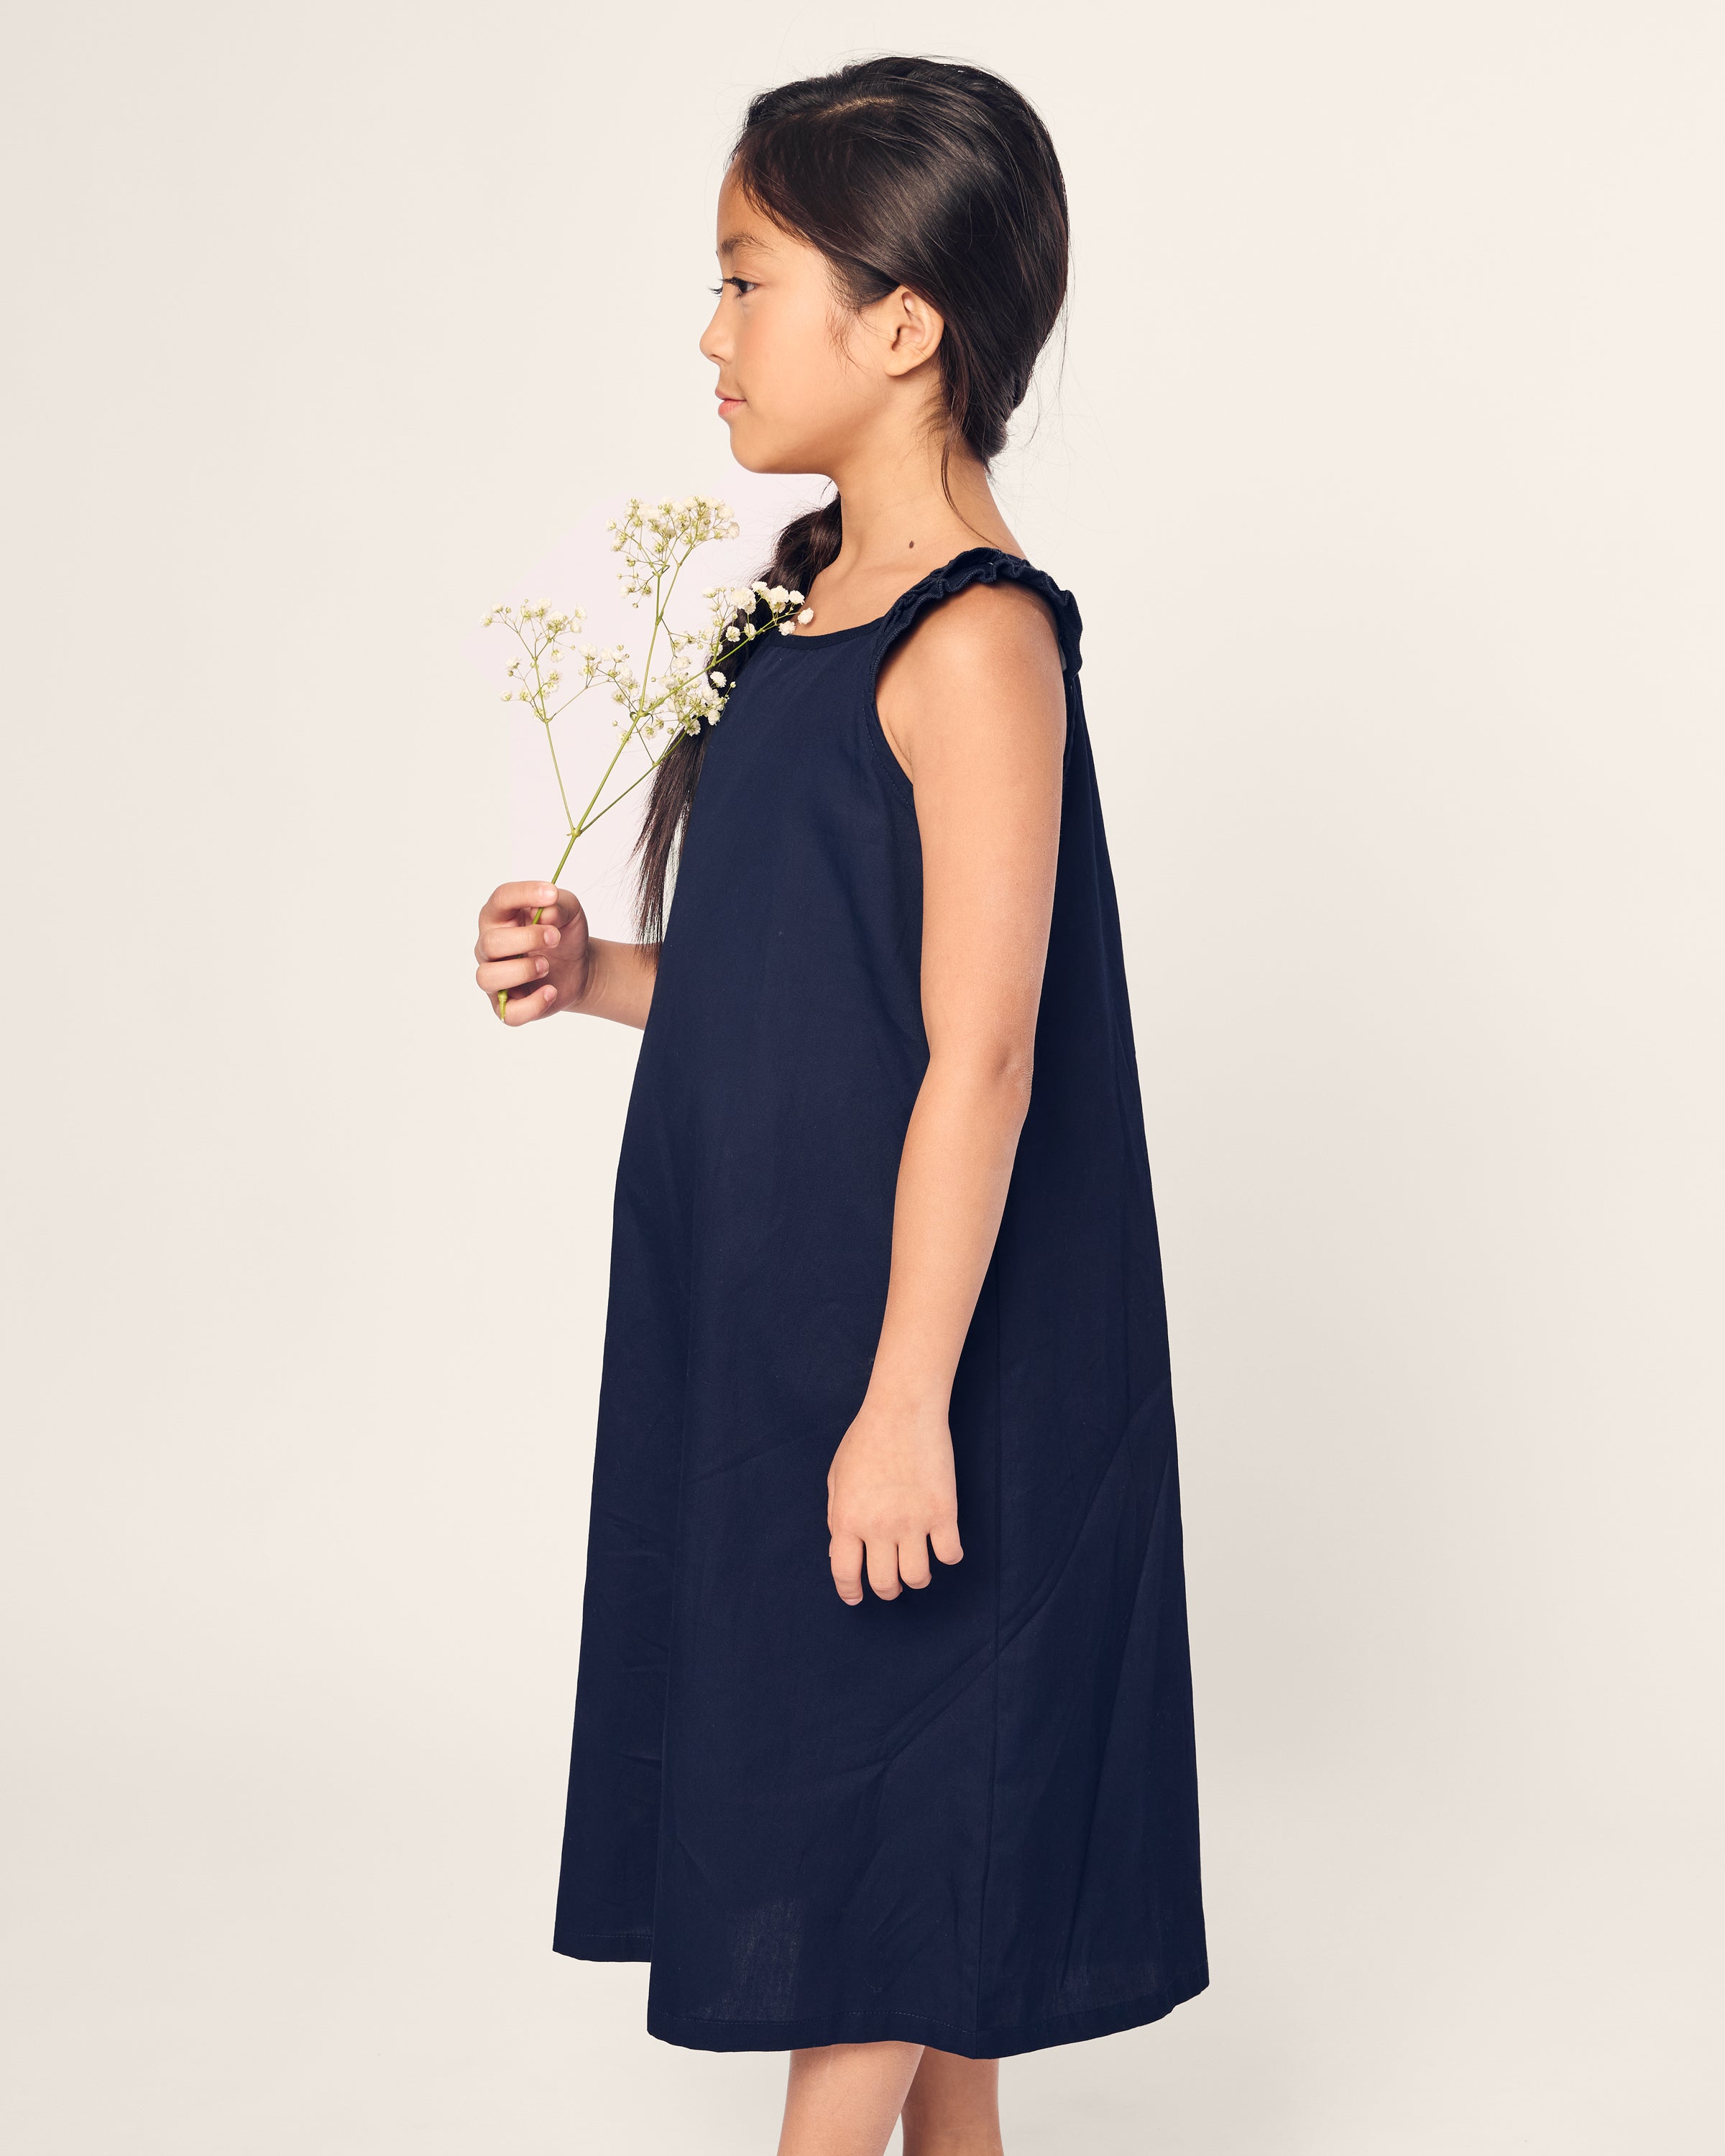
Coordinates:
(899,518)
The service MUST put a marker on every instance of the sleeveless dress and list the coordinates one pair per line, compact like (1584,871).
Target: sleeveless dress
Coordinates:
(966,1817)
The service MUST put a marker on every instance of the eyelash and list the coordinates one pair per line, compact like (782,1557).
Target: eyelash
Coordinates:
(742,284)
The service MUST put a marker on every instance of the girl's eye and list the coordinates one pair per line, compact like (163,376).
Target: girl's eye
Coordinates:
(742,284)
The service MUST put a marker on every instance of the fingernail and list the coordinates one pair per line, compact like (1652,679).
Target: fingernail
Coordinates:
(546,893)
(553,935)
(543,965)
(551,995)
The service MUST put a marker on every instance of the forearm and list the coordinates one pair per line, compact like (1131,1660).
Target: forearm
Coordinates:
(952,1180)
(619,982)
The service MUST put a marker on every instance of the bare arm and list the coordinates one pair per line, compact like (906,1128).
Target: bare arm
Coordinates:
(973,704)
(553,964)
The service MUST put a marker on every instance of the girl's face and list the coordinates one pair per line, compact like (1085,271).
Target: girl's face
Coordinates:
(803,379)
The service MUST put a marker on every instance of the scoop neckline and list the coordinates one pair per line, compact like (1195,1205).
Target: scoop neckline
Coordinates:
(862,628)
(836,635)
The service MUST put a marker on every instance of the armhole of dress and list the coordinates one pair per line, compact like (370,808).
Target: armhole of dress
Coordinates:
(874,725)
(896,627)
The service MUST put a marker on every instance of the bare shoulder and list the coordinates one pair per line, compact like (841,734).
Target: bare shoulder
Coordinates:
(983,627)
(988,654)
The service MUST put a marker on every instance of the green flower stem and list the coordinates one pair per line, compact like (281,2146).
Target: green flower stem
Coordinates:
(652,766)
(558,769)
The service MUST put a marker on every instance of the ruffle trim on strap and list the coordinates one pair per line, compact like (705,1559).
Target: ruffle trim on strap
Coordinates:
(985,565)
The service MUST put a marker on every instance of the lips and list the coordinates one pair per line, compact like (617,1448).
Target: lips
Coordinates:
(727,405)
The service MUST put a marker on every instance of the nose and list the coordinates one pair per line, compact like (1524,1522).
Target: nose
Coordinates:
(714,344)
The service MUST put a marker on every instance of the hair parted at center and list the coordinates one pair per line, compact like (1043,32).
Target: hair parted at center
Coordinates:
(921,172)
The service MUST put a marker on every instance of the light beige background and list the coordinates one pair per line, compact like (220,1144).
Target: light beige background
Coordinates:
(1387,465)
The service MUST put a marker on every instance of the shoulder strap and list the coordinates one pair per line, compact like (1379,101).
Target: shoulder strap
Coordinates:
(982,565)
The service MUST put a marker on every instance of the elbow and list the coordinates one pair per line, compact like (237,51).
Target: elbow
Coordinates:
(994,1082)
(1012,1082)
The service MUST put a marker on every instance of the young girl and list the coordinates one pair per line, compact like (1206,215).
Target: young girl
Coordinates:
(885,1276)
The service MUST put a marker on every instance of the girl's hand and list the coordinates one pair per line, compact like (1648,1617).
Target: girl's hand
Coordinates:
(544,965)
(890,1492)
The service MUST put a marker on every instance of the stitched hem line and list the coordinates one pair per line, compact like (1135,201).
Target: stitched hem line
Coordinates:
(701,2033)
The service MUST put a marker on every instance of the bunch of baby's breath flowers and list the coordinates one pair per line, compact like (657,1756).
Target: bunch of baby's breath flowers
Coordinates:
(557,665)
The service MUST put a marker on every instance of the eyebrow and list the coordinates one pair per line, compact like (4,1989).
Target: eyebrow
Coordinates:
(729,245)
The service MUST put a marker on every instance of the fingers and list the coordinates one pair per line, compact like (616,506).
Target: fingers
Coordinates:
(523,1009)
(847,1562)
(509,898)
(947,1548)
(913,1562)
(513,938)
(890,1566)
(512,974)
(883,1570)
(885,1561)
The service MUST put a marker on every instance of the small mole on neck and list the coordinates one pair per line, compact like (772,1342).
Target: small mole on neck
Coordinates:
(913,542)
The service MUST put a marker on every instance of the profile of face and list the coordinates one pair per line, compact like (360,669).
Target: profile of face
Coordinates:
(806,380)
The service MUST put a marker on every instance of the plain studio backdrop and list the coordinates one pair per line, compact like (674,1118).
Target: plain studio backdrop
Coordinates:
(1385,461)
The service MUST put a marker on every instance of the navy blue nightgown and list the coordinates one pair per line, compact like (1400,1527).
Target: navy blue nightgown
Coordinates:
(967,1817)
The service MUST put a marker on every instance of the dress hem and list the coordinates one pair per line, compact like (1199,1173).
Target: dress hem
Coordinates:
(604,1946)
(696,2032)
(701,2032)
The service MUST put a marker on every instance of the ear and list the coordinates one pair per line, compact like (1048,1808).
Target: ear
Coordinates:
(911,328)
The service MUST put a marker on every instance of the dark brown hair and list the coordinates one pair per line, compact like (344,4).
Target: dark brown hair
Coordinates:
(920,172)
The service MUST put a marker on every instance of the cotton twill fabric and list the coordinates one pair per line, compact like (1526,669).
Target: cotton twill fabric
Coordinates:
(967,1817)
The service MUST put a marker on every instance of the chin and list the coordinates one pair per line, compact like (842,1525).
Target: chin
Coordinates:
(756,454)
